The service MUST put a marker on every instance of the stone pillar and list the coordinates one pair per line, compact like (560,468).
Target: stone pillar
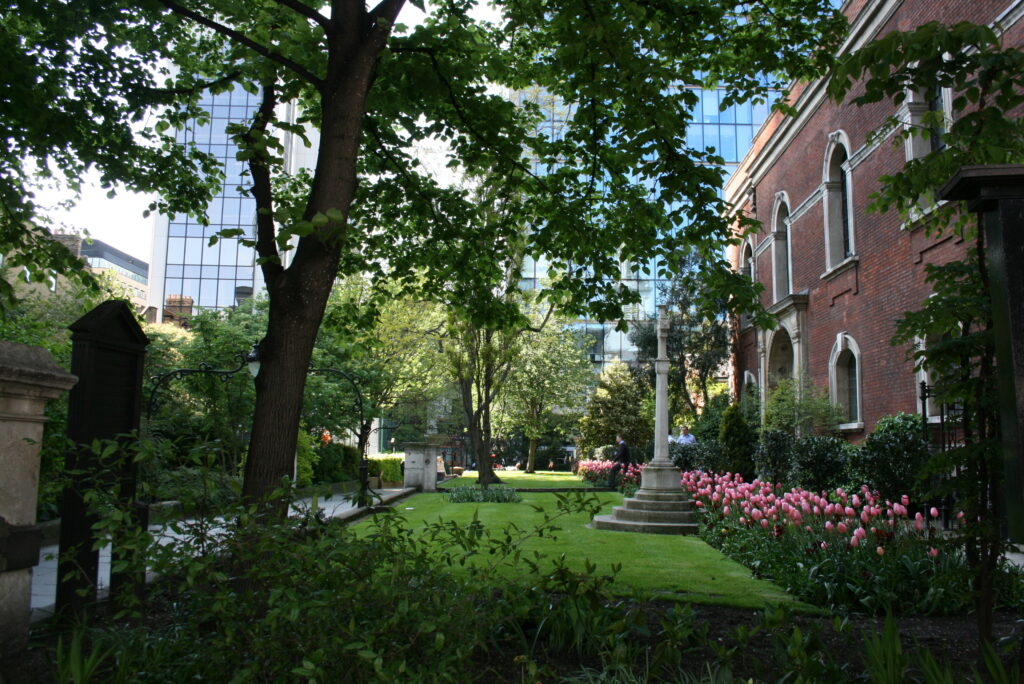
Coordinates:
(660,474)
(421,466)
(29,377)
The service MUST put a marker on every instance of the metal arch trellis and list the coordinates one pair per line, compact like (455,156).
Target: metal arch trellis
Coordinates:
(204,369)
(248,360)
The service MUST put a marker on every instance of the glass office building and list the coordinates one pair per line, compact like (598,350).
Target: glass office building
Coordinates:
(188,273)
(729,132)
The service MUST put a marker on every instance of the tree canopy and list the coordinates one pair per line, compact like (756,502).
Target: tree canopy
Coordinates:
(107,85)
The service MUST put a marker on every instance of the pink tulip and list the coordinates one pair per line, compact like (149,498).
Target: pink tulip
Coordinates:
(764,523)
(905,500)
(743,521)
(824,546)
(934,511)
(860,533)
(829,526)
(850,512)
(880,551)
(960,515)
(725,510)
(854,541)
(933,552)
(855,500)
(842,528)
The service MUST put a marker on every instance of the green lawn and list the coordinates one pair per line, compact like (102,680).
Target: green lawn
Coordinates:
(521,480)
(683,568)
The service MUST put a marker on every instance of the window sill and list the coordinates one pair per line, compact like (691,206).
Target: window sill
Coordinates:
(851,427)
(843,266)
(919,215)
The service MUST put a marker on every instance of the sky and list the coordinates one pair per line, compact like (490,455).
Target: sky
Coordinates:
(118,221)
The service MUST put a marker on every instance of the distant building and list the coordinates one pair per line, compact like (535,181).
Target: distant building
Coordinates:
(99,257)
(188,273)
(130,272)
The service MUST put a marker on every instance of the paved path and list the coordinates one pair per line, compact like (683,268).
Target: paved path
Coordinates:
(44,575)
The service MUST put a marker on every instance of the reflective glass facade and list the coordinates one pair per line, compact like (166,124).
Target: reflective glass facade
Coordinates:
(729,132)
(188,272)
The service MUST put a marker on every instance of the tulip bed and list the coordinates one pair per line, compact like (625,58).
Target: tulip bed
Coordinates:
(596,473)
(840,550)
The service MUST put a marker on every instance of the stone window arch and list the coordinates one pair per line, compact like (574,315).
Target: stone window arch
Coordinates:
(838,202)
(844,380)
(781,270)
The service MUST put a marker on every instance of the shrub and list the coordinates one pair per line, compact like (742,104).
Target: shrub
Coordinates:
(336,463)
(684,456)
(799,409)
(708,425)
(493,494)
(892,456)
(195,487)
(305,459)
(819,462)
(604,453)
(390,467)
(773,459)
(738,441)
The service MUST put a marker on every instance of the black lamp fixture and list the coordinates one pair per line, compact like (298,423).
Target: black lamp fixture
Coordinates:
(252,359)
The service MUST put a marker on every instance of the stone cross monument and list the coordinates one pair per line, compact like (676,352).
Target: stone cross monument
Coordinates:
(661,505)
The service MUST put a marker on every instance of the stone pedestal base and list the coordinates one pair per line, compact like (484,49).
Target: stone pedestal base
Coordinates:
(661,506)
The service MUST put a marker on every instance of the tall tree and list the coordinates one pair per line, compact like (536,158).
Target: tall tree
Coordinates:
(620,405)
(386,347)
(549,382)
(983,127)
(368,92)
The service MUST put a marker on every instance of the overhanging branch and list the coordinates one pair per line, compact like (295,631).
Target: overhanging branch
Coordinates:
(242,39)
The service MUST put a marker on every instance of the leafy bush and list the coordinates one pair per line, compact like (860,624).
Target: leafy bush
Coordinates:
(305,459)
(892,456)
(773,459)
(390,467)
(799,409)
(288,601)
(709,424)
(493,494)
(336,463)
(819,462)
(706,455)
(604,453)
(196,487)
(738,441)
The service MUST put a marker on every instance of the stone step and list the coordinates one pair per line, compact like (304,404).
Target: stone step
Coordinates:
(610,522)
(634,515)
(662,495)
(644,505)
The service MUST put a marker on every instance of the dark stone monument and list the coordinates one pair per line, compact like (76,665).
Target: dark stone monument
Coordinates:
(996,193)
(108,351)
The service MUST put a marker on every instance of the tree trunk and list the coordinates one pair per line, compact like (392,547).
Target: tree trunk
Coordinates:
(531,459)
(285,353)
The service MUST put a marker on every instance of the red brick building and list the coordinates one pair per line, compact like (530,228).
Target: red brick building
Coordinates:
(837,276)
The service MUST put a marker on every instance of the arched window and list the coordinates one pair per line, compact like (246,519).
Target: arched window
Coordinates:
(844,379)
(747,261)
(838,205)
(780,249)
